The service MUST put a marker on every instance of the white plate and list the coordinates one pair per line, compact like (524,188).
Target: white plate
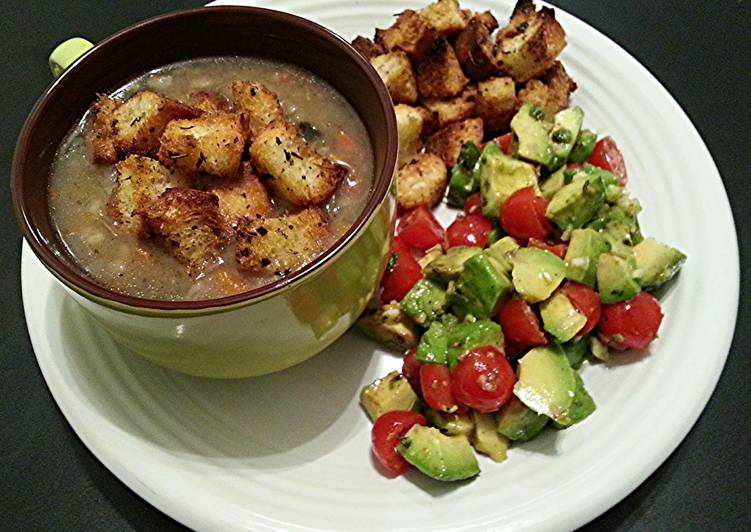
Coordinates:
(291,451)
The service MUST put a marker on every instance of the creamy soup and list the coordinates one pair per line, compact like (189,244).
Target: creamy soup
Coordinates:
(144,267)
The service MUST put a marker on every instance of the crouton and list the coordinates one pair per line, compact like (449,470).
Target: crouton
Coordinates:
(487,19)
(187,222)
(440,75)
(410,33)
(258,105)
(242,196)
(496,102)
(299,174)
(422,181)
(475,51)
(134,126)
(455,109)
(367,48)
(397,74)
(528,46)
(209,102)
(550,93)
(445,16)
(280,245)
(447,142)
(139,181)
(213,143)
(412,124)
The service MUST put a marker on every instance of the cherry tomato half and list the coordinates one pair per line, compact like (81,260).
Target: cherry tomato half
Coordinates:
(473,205)
(402,273)
(483,379)
(520,324)
(631,324)
(586,301)
(385,435)
(411,371)
(523,215)
(607,156)
(435,382)
(420,229)
(505,142)
(555,249)
(470,230)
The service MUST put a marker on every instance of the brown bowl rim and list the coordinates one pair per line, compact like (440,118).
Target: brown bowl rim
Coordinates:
(78,280)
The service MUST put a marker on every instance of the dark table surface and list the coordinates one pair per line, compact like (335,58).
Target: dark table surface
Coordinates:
(699,50)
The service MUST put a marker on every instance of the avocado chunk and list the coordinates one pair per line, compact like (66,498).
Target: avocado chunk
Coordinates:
(500,176)
(389,325)
(434,344)
(581,406)
(467,335)
(486,438)
(576,351)
(533,131)
(450,265)
(393,392)
(502,253)
(464,180)
(560,318)
(537,273)
(599,350)
(441,457)
(546,382)
(584,249)
(430,255)
(451,424)
(583,148)
(576,203)
(566,127)
(615,280)
(556,181)
(425,302)
(518,422)
(656,263)
(618,236)
(479,288)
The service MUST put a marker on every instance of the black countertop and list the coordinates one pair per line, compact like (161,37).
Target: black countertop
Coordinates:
(699,50)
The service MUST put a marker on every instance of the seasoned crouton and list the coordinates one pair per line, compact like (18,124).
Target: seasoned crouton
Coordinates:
(455,109)
(445,16)
(367,47)
(528,46)
(212,143)
(396,72)
(241,196)
(188,223)
(258,104)
(210,102)
(422,181)
(487,19)
(139,181)
(410,33)
(412,123)
(550,93)
(133,127)
(299,174)
(474,50)
(440,75)
(280,245)
(496,102)
(447,142)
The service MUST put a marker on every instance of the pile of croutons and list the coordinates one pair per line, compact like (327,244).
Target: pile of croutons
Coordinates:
(452,81)
(201,175)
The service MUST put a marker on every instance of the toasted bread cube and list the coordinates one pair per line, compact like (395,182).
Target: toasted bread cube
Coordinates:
(445,16)
(410,33)
(134,126)
(213,143)
(496,102)
(210,102)
(528,46)
(422,181)
(487,19)
(367,48)
(412,124)
(440,75)
(280,245)
(259,105)
(447,142)
(243,196)
(550,93)
(138,182)
(398,76)
(188,223)
(299,174)
(475,51)
(455,109)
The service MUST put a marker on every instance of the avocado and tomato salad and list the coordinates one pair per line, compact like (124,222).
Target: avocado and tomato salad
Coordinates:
(544,268)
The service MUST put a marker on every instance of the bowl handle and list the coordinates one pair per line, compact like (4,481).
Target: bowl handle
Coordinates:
(66,53)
